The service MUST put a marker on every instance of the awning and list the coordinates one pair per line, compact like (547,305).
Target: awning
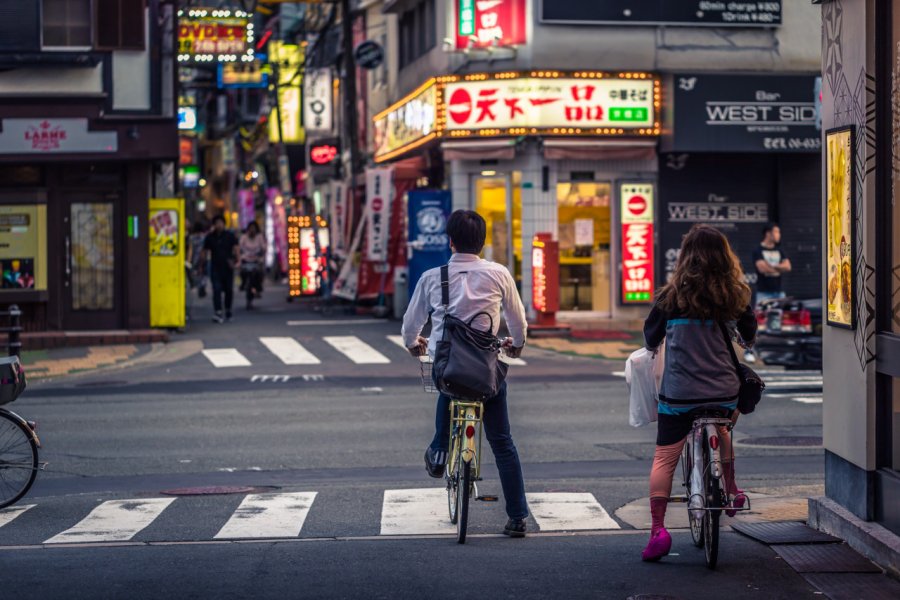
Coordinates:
(504,149)
(593,149)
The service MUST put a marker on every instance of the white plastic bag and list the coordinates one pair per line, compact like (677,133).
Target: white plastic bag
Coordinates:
(643,373)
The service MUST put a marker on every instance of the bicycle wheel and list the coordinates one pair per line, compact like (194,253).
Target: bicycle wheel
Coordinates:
(711,517)
(462,500)
(696,524)
(453,478)
(18,459)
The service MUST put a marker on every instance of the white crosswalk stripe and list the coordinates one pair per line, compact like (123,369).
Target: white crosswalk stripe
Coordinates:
(397,339)
(357,350)
(562,511)
(289,350)
(7,515)
(268,516)
(114,521)
(416,512)
(226,357)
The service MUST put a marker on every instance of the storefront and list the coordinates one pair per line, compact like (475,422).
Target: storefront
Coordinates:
(545,152)
(741,151)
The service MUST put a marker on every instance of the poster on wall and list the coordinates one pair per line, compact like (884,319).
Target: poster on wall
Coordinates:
(840,258)
(23,247)
(378,213)
(637,242)
(164,232)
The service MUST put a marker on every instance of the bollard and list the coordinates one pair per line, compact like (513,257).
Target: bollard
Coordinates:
(14,341)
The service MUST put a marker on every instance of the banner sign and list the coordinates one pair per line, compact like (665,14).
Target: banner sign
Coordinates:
(318,100)
(54,136)
(429,245)
(289,57)
(378,198)
(711,13)
(409,121)
(338,218)
(208,35)
(744,113)
(243,75)
(563,102)
(637,242)
(490,23)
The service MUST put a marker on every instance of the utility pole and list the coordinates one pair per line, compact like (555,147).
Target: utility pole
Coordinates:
(348,82)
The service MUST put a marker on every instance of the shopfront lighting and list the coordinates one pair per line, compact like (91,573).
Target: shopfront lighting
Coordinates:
(202,182)
(488,173)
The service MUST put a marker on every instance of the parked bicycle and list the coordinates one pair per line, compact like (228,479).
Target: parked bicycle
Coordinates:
(19,442)
(704,481)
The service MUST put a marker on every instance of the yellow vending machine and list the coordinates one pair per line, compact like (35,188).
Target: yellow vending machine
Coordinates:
(167,258)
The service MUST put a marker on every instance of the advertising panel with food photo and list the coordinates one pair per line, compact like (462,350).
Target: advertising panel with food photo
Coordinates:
(840,257)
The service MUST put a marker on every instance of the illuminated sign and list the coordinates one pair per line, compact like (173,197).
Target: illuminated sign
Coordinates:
(208,35)
(489,23)
(538,276)
(409,121)
(318,105)
(185,151)
(323,154)
(288,58)
(545,276)
(306,263)
(637,242)
(187,118)
(243,75)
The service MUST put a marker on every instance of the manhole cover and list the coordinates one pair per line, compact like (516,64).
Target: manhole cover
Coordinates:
(100,383)
(787,441)
(213,490)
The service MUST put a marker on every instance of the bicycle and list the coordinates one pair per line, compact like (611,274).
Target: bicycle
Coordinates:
(19,442)
(703,481)
(464,459)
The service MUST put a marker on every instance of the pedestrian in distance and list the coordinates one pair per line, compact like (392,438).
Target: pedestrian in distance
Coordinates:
(706,290)
(479,290)
(253,256)
(770,264)
(221,247)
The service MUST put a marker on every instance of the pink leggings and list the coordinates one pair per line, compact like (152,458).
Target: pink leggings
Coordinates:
(665,460)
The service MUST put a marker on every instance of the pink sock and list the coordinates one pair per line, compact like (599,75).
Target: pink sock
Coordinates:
(730,485)
(658,514)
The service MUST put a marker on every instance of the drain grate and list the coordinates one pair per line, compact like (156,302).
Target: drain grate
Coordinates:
(217,490)
(783,532)
(825,558)
(785,441)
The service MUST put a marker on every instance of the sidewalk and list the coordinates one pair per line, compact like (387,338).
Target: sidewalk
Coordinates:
(58,362)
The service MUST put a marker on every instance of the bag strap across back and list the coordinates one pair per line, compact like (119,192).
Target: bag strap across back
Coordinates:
(445,286)
(730,346)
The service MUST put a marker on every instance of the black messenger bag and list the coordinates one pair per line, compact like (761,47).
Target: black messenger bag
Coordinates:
(752,385)
(466,360)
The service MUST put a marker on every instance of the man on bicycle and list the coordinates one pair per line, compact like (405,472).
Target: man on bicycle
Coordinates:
(476,286)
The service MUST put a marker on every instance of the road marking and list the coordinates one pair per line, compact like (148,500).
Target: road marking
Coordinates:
(313,377)
(569,512)
(270,378)
(354,322)
(7,515)
(807,399)
(416,512)
(268,516)
(357,350)
(114,521)
(398,339)
(517,362)
(373,390)
(289,351)
(226,357)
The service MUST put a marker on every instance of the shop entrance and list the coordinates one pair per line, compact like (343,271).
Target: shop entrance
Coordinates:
(498,199)
(584,245)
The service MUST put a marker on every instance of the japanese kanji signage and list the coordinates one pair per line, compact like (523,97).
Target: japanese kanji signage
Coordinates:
(637,242)
(318,100)
(214,35)
(487,23)
(553,103)
(379,193)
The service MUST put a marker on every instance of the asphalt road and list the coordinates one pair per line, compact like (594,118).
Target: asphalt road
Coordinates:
(352,434)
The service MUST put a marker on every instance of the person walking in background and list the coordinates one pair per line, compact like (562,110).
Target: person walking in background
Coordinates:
(707,292)
(253,256)
(770,263)
(221,249)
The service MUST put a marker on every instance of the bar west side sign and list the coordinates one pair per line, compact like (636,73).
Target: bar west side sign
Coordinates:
(712,13)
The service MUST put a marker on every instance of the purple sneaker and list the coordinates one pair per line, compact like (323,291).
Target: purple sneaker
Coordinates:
(659,545)
(740,498)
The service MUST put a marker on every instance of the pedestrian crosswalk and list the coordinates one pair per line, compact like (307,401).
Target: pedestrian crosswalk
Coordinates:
(404,512)
(285,350)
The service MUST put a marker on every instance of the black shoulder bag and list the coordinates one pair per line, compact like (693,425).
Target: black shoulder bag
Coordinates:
(752,385)
(466,360)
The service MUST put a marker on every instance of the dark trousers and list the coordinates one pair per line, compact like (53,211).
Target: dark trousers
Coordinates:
(496,429)
(222,283)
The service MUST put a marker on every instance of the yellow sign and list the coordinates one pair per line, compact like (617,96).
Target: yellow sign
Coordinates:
(286,60)
(840,260)
(23,247)
(167,255)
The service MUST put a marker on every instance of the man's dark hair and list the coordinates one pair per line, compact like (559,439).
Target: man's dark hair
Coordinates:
(218,218)
(467,231)
(769,227)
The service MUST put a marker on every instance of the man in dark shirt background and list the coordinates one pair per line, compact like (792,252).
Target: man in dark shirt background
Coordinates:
(770,263)
(221,247)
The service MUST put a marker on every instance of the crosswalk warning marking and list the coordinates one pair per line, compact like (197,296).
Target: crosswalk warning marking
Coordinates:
(357,350)
(226,357)
(416,512)
(565,511)
(114,521)
(268,516)
(289,351)
(7,515)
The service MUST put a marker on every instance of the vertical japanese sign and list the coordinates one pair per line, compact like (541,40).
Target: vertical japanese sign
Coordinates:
(338,218)
(318,96)
(484,23)
(637,242)
(378,207)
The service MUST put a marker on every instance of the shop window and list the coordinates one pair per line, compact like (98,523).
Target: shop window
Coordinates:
(417,32)
(66,23)
(120,24)
(23,248)
(584,242)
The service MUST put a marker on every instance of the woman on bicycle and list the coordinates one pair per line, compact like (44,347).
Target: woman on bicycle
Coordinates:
(706,289)
(253,256)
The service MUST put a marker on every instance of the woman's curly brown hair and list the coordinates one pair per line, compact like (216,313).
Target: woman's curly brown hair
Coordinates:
(708,282)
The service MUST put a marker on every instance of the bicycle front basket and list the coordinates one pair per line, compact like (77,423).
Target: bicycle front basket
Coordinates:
(425,367)
(12,379)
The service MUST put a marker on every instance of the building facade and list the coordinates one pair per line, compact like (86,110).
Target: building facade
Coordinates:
(561,118)
(88,136)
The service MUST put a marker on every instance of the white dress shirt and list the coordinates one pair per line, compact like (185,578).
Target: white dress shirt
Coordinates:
(476,285)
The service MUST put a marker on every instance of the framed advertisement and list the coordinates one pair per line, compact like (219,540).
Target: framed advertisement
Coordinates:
(840,219)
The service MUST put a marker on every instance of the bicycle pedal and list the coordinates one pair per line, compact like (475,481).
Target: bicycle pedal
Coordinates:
(487,498)
(681,499)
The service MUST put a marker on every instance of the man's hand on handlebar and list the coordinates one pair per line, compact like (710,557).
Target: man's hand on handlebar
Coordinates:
(420,348)
(511,350)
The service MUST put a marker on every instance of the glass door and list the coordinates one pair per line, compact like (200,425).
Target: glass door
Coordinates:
(584,234)
(498,199)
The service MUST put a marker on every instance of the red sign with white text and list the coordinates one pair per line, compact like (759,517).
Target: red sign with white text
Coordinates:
(486,23)
(637,243)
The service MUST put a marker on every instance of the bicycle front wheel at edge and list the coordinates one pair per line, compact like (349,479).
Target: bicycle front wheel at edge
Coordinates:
(18,459)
